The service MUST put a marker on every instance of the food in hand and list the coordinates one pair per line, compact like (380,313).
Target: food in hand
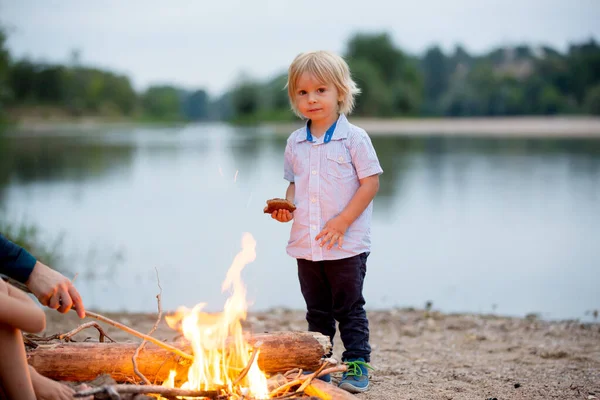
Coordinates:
(279,204)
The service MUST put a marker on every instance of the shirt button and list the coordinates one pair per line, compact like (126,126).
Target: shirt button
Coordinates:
(313,199)
(341,159)
(313,227)
(314,172)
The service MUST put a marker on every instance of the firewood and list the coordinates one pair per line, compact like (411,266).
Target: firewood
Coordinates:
(279,352)
(317,388)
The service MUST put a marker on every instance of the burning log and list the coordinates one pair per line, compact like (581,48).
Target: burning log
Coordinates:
(317,390)
(294,380)
(295,385)
(279,352)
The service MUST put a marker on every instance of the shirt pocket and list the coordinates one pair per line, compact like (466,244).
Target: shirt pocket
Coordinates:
(339,164)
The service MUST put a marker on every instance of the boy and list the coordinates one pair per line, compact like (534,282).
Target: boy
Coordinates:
(333,175)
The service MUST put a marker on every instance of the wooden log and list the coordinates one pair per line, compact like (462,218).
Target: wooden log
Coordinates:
(327,391)
(279,352)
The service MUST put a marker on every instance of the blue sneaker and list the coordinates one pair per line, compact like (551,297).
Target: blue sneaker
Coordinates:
(356,379)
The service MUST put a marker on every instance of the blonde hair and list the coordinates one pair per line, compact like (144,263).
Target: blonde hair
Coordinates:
(326,67)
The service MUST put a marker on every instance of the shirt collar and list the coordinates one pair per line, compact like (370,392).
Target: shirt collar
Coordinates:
(339,131)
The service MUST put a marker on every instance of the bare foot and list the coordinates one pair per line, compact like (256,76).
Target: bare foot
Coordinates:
(47,389)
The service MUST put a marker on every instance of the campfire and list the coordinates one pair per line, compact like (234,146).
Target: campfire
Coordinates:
(218,365)
(216,359)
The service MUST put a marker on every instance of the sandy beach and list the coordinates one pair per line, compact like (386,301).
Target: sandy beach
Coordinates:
(429,355)
(581,127)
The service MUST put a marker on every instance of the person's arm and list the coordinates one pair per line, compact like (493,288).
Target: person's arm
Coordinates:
(15,261)
(54,290)
(50,287)
(19,311)
(290,193)
(335,228)
(285,215)
(365,194)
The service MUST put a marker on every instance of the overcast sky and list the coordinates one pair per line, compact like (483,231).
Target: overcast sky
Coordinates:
(209,44)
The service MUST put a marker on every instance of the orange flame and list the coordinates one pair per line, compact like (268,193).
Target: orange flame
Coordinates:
(220,350)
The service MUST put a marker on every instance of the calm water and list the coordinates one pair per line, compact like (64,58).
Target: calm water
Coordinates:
(481,225)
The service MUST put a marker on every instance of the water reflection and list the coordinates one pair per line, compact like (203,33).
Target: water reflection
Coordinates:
(52,160)
(451,161)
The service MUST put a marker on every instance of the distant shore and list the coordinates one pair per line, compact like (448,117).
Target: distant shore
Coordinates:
(523,127)
(559,127)
(42,126)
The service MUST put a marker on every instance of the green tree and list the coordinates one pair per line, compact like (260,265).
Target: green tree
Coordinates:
(97,91)
(553,70)
(162,102)
(221,108)
(592,100)
(523,52)
(274,103)
(49,85)
(277,94)
(461,100)
(460,59)
(510,97)
(392,75)
(583,64)
(551,101)
(117,92)
(195,106)
(22,82)
(406,98)
(4,71)
(245,99)
(379,50)
(375,98)
(436,75)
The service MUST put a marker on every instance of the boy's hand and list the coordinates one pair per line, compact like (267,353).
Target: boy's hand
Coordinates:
(282,215)
(333,231)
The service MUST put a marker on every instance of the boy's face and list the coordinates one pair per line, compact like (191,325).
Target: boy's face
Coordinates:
(317,101)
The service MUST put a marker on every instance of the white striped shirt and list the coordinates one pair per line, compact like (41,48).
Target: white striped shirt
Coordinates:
(326,176)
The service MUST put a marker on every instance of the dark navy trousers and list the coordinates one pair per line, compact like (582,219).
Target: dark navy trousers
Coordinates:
(332,290)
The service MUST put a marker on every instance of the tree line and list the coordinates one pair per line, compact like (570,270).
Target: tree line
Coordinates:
(520,80)
(507,81)
(73,90)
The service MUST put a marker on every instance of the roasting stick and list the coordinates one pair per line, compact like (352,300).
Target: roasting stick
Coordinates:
(134,332)
(123,327)
(138,334)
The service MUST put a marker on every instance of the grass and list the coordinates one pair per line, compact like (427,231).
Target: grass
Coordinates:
(28,236)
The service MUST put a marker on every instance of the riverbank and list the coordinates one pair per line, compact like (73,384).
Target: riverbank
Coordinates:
(580,127)
(434,356)
(523,127)
(53,119)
